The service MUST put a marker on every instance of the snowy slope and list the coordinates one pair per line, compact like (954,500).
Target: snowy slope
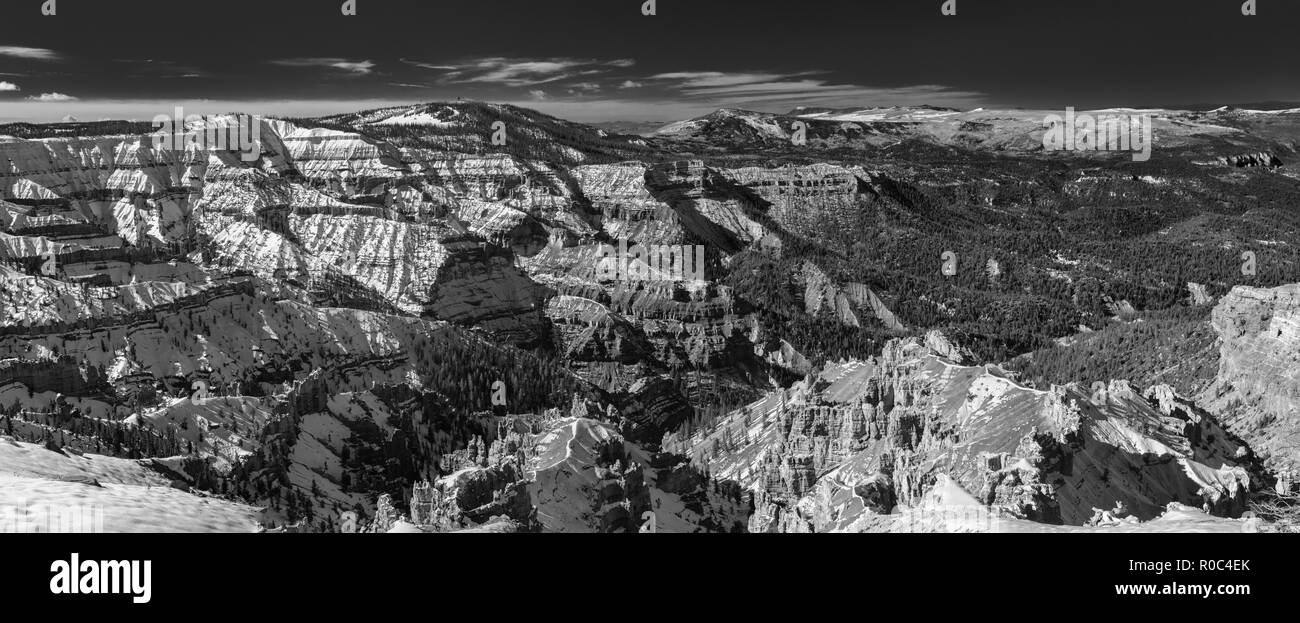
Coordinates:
(128,495)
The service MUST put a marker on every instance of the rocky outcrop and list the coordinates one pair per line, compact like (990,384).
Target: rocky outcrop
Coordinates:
(491,489)
(1197,294)
(654,407)
(1258,159)
(852,304)
(1256,393)
(839,444)
(585,477)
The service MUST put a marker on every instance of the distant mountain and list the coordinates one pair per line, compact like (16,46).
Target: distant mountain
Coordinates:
(929,132)
(639,128)
(468,127)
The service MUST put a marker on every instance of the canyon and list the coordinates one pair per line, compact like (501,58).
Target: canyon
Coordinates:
(309,340)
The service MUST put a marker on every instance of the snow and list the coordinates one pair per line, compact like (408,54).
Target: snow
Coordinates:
(949,508)
(566,484)
(563,475)
(112,495)
(1286,111)
(211,424)
(894,114)
(404,527)
(415,118)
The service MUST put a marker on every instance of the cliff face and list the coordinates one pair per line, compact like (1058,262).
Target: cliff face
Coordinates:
(90,189)
(298,322)
(1258,384)
(864,437)
(74,204)
(853,304)
(586,477)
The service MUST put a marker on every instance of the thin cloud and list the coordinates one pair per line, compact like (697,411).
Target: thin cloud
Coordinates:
(774,90)
(710,79)
(31,110)
(53,97)
(40,54)
(359,68)
(9,86)
(519,72)
(584,87)
(423,65)
(679,95)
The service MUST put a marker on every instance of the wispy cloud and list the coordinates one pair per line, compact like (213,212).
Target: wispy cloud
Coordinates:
(29,53)
(358,68)
(9,86)
(717,79)
(769,89)
(519,72)
(683,94)
(583,88)
(53,97)
(586,79)
(31,110)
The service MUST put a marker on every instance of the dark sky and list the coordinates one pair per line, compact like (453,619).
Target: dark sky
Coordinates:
(594,60)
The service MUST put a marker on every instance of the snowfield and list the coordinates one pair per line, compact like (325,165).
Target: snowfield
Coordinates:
(39,487)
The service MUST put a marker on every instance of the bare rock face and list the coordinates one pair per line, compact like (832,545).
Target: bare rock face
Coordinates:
(333,156)
(806,200)
(591,332)
(1197,294)
(719,213)
(628,208)
(1258,159)
(824,453)
(853,304)
(489,490)
(586,478)
(940,345)
(281,230)
(576,479)
(876,493)
(1256,391)
(655,407)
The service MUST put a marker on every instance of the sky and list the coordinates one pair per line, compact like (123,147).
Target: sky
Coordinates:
(604,60)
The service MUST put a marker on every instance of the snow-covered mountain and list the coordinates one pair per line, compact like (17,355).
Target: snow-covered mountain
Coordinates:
(389,321)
